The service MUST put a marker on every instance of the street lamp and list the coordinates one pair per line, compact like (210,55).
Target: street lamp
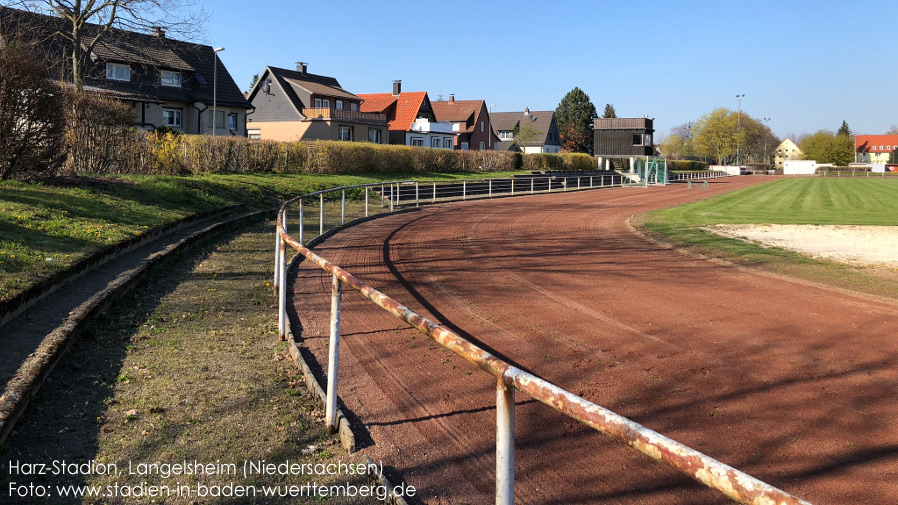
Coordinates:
(214,87)
(766,120)
(738,114)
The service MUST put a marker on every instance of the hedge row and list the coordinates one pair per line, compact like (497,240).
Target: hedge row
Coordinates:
(686,165)
(168,153)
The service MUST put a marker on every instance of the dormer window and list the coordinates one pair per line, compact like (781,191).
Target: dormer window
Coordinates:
(118,72)
(171,79)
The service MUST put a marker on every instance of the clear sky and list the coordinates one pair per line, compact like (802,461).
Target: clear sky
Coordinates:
(806,64)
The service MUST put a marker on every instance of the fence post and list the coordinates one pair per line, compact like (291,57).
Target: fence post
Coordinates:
(366,201)
(343,209)
(333,358)
(417,195)
(282,293)
(550,184)
(464,190)
(277,256)
(504,444)
(578,182)
(491,188)
(321,217)
(512,185)
(531,184)
(434,192)
(382,196)
(301,222)
(590,181)
(393,195)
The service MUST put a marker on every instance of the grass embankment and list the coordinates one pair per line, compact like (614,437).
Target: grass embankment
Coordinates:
(811,201)
(186,368)
(45,227)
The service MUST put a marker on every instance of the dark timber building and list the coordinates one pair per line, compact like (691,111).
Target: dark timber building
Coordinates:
(623,137)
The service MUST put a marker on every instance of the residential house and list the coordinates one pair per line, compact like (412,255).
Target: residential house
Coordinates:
(296,105)
(874,149)
(542,123)
(410,117)
(470,122)
(623,137)
(167,82)
(786,151)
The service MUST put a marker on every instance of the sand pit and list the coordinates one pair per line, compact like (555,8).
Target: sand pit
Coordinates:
(875,246)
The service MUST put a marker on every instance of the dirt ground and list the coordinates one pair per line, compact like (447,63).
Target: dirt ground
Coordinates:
(792,383)
(874,246)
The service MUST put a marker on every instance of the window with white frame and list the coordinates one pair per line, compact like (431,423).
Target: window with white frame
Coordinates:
(434,142)
(232,121)
(417,141)
(637,139)
(118,72)
(339,105)
(346,133)
(506,135)
(353,106)
(375,135)
(448,143)
(170,79)
(254,134)
(220,116)
(171,118)
(483,146)
(322,103)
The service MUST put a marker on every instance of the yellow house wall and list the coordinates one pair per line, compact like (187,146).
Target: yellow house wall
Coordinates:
(288,131)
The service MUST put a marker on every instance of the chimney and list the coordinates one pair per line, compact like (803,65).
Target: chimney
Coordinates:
(452,98)
(527,111)
(302,67)
(397,88)
(158,32)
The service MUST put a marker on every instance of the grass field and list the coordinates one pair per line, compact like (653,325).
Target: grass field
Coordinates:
(45,227)
(812,201)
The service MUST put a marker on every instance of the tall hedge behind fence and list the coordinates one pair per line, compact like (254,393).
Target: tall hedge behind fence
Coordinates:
(170,153)
(686,165)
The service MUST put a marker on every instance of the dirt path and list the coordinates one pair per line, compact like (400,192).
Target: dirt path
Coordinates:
(794,384)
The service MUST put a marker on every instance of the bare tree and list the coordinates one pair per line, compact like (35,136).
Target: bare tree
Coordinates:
(89,21)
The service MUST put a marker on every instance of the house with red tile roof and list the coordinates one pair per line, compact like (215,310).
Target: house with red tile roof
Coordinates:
(874,149)
(470,122)
(297,105)
(410,117)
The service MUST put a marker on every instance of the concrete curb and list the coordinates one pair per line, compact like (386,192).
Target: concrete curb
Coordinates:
(14,306)
(31,375)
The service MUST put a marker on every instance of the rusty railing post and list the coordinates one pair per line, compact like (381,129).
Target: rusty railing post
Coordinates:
(277,255)
(343,209)
(504,444)
(333,358)
(321,217)
(282,290)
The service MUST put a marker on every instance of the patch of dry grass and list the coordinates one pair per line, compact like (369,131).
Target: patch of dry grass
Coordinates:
(188,368)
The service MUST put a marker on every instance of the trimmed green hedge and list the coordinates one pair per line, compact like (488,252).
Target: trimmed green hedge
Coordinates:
(168,153)
(686,165)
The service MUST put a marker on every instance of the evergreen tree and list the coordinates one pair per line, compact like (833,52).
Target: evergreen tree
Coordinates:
(255,80)
(844,130)
(574,115)
(609,111)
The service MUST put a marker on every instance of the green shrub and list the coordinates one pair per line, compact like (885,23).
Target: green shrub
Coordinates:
(686,165)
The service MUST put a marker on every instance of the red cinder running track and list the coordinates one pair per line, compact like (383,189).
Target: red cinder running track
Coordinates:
(792,383)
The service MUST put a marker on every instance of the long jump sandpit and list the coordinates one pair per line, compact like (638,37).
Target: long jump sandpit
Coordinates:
(792,383)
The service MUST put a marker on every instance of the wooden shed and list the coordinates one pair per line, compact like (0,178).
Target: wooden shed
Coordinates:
(618,137)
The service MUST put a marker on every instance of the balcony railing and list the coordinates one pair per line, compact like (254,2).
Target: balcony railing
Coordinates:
(344,115)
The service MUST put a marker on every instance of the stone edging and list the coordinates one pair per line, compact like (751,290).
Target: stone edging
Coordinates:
(12,307)
(27,381)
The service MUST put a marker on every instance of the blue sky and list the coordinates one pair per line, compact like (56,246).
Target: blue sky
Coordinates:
(807,65)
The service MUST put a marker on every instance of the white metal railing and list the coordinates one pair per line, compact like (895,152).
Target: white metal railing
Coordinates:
(729,481)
